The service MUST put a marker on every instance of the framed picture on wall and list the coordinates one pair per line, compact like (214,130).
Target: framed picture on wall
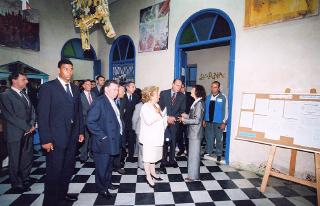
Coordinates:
(261,12)
(154,27)
(19,28)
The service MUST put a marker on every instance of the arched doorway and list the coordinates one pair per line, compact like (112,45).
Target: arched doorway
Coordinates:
(208,28)
(122,59)
(83,60)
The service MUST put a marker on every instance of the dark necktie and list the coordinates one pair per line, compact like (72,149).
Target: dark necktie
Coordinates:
(71,98)
(24,98)
(118,103)
(173,98)
(68,91)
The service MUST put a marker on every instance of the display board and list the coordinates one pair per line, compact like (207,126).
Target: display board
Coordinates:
(289,120)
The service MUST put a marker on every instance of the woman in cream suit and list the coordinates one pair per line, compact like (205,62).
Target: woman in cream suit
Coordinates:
(195,131)
(153,123)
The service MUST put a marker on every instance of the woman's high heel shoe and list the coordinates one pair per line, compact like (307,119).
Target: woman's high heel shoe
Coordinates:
(157,178)
(150,185)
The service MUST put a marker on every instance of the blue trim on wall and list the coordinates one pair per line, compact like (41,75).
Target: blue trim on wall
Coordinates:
(125,61)
(95,69)
(232,39)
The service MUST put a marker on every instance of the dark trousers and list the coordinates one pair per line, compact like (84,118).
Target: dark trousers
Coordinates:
(119,160)
(169,147)
(103,174)
(85,148)
(130,136)
(60,164)
(20,160)
(182,138)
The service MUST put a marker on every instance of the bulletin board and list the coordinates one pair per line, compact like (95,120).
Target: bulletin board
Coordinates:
(282,119)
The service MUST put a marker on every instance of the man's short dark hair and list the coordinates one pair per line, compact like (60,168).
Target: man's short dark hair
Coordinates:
(129,82)
(92,81)
(64,61)
(99,76)
(217,83)
(15,75)
(177,79)
(86,80)
(110,81)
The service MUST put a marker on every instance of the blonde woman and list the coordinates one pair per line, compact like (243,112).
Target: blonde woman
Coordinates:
(153,123)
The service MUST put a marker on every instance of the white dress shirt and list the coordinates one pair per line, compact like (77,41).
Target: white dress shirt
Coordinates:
(21,95)
(116,110)
(63,83)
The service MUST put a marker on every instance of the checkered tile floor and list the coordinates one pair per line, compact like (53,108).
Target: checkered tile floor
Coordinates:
(219,185)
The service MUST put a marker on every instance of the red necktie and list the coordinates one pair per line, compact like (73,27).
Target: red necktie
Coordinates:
(173,98)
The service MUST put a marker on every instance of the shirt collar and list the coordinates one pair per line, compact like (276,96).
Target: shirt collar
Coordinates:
(16,90)
(63,82)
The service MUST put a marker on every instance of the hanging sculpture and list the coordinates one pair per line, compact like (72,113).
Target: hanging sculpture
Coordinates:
(86,14)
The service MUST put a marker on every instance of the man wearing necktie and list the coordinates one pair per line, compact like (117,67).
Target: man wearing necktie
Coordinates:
(87,97)
(60,128)
(175,103)
(104,123)
(19,117)
(119,160)
(130,101)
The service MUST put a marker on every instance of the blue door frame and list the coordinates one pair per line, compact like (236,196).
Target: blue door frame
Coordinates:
(232,38)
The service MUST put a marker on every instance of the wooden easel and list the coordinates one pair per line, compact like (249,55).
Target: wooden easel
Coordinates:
(293,159)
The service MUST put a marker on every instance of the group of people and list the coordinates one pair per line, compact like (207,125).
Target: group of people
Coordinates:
(113,123)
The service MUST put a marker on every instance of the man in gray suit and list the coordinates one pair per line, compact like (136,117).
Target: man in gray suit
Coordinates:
(19,117)
(175,103)
(87,97)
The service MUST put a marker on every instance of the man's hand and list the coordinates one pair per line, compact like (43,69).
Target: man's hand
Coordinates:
(48,147)
(223,126)
(30,131)
(81,138)
(204,123)
(171,120)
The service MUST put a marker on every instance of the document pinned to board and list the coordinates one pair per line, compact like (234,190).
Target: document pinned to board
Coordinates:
(248,101)
(246,119)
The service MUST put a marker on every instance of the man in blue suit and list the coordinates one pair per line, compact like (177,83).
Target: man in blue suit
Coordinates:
(104,123)
(60,128)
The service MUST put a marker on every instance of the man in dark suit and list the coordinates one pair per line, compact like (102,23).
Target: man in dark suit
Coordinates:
(130,101)
(19,120)
(119,160)
(60,128)
(175,103)
(99,83)
(182,134)
(87,97)
(104,123)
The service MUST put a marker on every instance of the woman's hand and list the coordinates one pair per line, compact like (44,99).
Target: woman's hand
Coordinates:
(184,115)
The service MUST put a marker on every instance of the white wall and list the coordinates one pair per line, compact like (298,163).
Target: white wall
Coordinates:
(268,58)
(214,60)
(56,27)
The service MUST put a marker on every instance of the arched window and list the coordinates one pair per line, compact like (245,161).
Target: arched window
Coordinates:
(72,49)
(122,59)
(205,28)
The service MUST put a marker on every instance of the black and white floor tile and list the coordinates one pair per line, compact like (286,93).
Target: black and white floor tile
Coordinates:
(218,185)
